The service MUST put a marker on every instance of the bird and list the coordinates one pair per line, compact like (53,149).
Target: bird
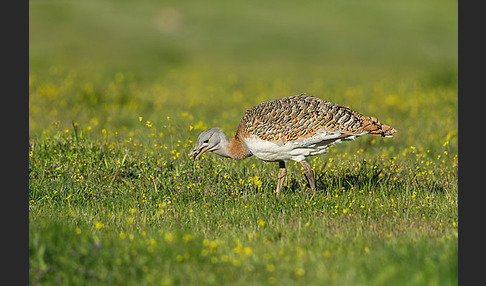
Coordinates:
(290,129)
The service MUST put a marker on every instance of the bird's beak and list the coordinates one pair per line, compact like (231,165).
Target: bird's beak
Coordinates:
(197,152)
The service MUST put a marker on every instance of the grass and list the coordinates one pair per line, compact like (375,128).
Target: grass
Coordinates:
(114,199)
(114,210)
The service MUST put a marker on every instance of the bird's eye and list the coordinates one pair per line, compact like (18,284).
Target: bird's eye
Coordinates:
(206,141)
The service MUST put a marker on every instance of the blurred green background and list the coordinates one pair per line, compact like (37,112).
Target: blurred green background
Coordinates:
(341,40)
(104,64)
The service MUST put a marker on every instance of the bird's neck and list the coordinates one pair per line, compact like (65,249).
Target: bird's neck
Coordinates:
(238,149)
(234,149)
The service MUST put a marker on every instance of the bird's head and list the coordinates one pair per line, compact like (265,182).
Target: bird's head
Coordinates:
(208,140)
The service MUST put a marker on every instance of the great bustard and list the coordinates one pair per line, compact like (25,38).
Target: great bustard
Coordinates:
(290,128)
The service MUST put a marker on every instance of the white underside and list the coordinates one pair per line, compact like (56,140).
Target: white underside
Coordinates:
(295,150)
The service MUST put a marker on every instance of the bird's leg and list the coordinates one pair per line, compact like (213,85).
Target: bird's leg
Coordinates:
(282,172)
(309,174)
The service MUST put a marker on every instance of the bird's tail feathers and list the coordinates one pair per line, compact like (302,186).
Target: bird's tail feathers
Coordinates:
(375,127)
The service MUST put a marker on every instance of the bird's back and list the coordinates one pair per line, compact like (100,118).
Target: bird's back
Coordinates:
(296,117)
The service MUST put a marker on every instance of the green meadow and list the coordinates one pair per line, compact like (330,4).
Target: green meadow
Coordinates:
(120,90)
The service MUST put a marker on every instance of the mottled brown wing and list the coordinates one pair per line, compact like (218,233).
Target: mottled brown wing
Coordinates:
(299,116)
